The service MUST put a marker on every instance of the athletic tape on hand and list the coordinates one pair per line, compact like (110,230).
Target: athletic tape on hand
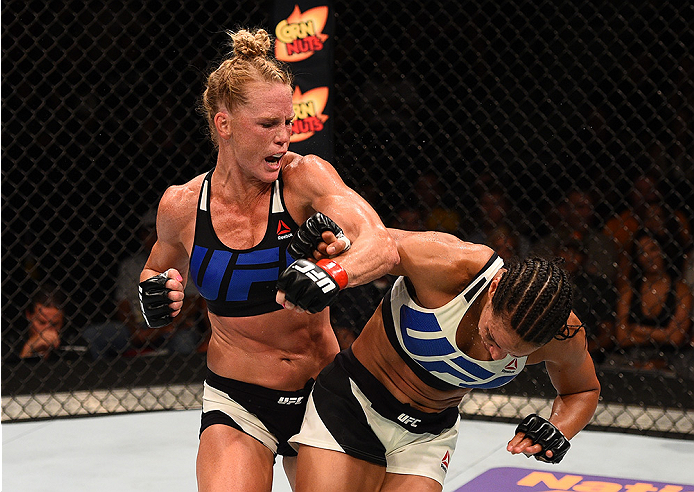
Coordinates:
(348,243)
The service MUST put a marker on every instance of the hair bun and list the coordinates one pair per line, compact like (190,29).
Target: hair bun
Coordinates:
(250,45)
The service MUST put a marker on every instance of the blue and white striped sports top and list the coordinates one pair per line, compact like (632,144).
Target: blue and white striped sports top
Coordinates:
(425,338)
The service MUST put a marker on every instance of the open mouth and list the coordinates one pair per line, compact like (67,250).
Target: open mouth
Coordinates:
(274,158)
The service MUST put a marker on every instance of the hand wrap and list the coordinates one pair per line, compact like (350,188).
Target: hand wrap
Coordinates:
(306,239)
(154,301)
(541,431)
(312,286)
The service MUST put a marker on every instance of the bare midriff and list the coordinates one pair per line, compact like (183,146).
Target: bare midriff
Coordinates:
(280,350)
(373,349)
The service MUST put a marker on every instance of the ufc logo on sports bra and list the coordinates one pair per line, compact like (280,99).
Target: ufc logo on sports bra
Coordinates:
(407,420)
(233,275)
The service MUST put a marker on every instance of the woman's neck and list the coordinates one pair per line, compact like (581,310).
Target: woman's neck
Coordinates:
(230,186)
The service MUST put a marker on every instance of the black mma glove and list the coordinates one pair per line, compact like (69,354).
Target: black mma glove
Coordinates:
(541,431)
(312,286)
(306,239)
(154,301)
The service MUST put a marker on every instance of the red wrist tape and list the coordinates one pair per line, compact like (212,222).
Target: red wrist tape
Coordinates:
(335,271)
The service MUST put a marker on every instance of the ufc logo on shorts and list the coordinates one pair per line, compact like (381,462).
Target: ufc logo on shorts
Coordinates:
(321,278)
(290,400)
(407,420)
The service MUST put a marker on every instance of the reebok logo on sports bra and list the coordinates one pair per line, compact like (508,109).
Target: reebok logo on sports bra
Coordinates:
(283,231)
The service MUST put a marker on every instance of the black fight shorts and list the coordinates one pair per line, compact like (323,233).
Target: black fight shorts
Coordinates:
(268,415)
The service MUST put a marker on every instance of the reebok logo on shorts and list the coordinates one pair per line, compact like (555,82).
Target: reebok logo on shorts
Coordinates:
(445,461)
(290,400)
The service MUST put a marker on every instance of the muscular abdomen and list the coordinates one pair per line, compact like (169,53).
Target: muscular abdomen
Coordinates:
(278,350)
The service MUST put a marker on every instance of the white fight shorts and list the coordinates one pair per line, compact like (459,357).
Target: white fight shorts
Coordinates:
(350,411)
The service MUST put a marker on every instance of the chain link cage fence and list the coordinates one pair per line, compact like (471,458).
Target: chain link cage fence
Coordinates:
(560,128)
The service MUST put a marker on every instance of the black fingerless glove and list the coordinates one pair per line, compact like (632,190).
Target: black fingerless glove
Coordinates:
(541,431)
(154,301)
(312,286)
(306,239)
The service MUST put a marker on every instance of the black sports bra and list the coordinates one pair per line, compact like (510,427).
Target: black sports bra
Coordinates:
(241,282)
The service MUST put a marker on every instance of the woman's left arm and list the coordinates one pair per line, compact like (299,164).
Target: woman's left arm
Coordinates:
(315,186)
(572,373)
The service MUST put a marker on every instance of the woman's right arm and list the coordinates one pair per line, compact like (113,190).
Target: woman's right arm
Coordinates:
(175,222)
(438,264)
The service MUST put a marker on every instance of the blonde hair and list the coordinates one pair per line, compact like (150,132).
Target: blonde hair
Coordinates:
(250,61)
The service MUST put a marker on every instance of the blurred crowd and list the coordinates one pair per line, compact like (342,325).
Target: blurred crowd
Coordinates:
(633,271)
(633,274)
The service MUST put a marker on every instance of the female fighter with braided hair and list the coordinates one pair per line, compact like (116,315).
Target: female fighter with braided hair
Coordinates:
(228,231)
(383,416)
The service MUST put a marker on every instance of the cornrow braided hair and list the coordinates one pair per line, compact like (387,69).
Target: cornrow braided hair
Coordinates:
(537,296)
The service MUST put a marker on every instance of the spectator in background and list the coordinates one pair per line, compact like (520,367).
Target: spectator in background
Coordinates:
(430,195)
(671,235)
(128,334)
(505,242)
(684,362)
(674,239)
(576,221)
(653,318)
(689,272)
(644,199)
(46,317)
(495,213)
(594,297)
(409,219)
